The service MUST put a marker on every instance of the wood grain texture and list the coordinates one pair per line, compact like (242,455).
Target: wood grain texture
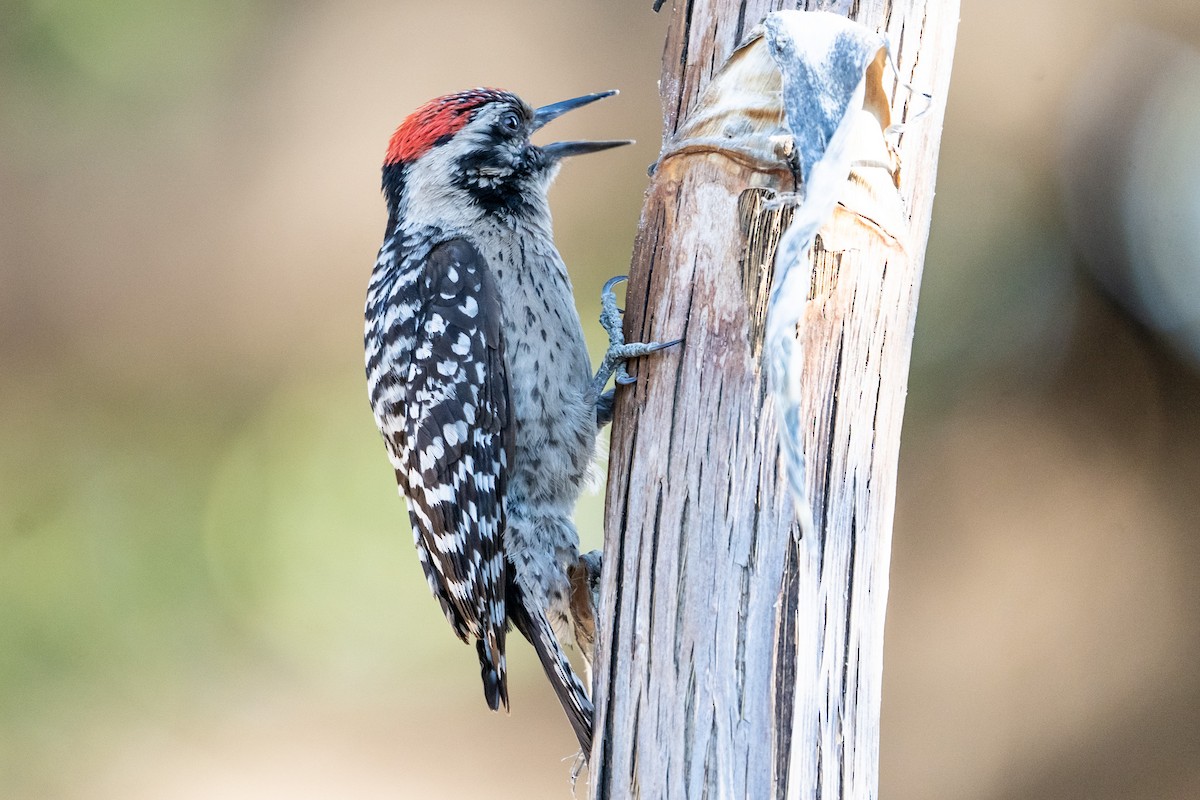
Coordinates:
(735,661)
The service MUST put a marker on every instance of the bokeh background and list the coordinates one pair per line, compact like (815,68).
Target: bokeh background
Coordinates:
(207,586)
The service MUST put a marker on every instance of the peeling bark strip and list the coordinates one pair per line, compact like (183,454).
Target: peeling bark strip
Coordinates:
(736,661)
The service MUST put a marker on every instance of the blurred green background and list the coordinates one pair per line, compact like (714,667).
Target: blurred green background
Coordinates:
(207,584)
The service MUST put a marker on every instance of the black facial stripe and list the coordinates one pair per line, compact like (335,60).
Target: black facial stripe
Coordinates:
(393,188)
(498,185)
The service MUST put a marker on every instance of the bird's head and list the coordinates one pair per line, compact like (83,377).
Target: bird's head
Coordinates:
(470,153)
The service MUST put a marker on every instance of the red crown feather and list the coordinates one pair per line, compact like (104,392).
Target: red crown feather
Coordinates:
(435,122)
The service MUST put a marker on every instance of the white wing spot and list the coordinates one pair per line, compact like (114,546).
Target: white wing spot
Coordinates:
(454,433)
(447,543)
(432,453)
(462,346)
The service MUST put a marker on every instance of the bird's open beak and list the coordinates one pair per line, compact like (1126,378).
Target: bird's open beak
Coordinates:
(563,149)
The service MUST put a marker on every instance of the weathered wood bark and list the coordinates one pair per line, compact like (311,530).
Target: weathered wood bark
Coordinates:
(735,660)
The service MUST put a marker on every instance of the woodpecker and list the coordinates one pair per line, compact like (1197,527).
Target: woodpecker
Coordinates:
(480,380)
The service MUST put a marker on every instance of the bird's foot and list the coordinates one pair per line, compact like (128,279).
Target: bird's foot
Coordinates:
(590,564)
(619,351)
(604,408)
(584,576)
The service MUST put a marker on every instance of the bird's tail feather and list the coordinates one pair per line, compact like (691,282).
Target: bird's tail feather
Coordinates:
(532,623)
(491,669)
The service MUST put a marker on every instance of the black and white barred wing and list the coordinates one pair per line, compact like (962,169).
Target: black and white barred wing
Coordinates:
(459,444)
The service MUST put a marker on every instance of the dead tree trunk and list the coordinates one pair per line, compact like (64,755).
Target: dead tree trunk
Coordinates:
(737,659)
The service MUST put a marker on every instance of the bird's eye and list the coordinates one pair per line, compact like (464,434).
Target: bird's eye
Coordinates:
(510,122)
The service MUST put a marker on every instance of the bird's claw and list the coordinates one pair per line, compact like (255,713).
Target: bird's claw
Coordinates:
(607,289)
(623,377)
(610,312)
(619,351)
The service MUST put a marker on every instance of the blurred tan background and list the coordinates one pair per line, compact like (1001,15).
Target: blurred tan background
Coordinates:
(207,584)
